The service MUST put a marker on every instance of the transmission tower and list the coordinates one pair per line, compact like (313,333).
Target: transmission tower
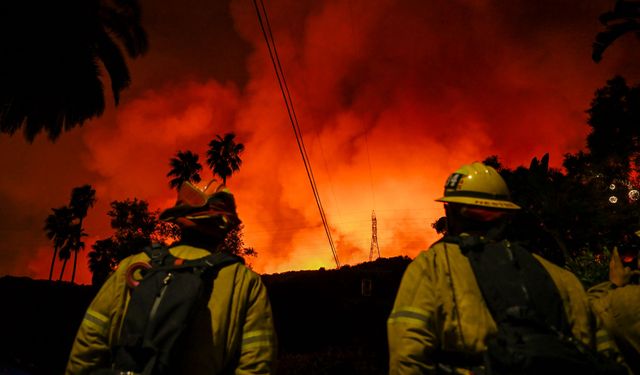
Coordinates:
(374,236)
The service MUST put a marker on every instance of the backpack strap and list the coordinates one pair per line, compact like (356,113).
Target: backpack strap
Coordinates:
(214,261)
(169,294)
(157,253)
(514,284)
(211,263)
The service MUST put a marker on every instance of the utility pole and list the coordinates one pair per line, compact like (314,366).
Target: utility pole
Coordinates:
(374,236)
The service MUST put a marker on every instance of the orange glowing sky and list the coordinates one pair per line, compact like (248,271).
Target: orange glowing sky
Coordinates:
(391,96)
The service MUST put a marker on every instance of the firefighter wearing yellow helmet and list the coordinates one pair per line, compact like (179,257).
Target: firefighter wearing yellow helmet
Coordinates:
(233,333)
(440,322)
(479,185)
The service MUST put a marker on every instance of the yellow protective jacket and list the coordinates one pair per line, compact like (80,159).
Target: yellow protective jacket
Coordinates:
(237,338)
(619,310)
(426,318)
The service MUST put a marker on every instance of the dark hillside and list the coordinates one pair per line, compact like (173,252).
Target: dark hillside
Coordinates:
(329,323)
(39,320)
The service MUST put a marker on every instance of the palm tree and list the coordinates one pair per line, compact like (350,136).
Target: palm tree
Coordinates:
(82,198)
(57,227)
(223,156)
(64,254)
(102,260)
(184,167)
(53,54)
(73,244)
(76,245)
(625,18)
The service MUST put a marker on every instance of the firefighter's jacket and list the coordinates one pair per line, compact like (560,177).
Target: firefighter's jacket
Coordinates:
(237,338)
(439,310)
(619,310)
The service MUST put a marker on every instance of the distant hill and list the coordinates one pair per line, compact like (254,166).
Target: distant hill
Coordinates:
(327,321)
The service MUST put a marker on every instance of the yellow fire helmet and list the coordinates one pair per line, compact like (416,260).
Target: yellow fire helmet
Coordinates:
(478,184)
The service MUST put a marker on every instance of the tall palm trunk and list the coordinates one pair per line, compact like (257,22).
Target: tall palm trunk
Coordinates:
(53,261)
(64,265)
(75,252)
(75,261)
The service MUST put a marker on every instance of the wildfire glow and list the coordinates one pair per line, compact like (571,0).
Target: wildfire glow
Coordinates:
(391,98)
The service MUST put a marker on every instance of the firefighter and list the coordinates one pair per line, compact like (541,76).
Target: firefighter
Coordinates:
(234,335)
(617,303)
(440,321)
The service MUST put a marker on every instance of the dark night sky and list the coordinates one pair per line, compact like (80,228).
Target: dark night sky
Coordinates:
(391,96)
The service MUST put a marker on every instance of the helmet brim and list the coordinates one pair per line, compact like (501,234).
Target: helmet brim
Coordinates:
(481,202)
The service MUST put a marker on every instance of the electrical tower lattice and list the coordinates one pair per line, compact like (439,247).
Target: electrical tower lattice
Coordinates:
(374,236)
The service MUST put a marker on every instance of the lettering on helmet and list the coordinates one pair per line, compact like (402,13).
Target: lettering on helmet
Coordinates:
(490,203)
(453,181)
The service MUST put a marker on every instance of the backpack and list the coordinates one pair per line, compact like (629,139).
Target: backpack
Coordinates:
(534,335)
(160,308)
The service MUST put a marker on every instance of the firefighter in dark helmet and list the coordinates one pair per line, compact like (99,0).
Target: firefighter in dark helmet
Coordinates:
(234,335)
(440,322)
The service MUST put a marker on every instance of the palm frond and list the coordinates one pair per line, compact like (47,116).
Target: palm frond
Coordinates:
(605,38)
(114,63)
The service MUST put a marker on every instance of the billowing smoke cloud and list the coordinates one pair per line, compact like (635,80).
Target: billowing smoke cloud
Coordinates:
(391,97)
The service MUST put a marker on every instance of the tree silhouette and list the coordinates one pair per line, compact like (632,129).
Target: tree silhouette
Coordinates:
(133,224)
(102,260)
(223,156)
(541,192)
(614,118)
(624,19)
(184,167)
(134,228)
(82,198)
(234,243)
(53,54)
(58,228)
(580,214)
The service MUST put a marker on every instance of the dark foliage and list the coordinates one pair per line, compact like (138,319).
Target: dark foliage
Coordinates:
(223,156)
(134,228)
(234,244)
(185,167)
(52,55)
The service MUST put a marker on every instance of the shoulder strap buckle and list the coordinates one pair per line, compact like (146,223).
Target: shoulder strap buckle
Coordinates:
(157,253)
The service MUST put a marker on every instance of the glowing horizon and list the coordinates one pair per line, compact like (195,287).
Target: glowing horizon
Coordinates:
(391,98)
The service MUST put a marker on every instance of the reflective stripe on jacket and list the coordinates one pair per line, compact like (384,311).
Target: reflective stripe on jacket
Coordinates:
(237,336)
(426,318)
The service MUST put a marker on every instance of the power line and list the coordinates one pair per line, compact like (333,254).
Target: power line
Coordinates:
(284,88)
